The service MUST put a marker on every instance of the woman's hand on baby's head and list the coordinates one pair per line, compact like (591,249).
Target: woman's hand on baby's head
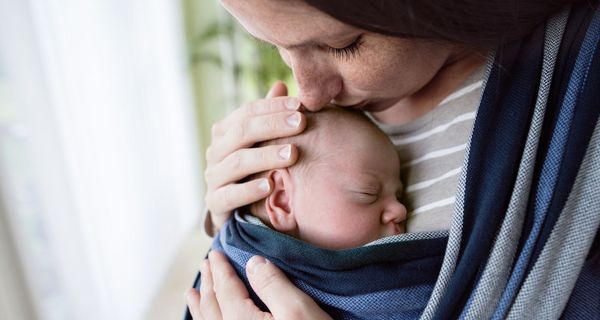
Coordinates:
(230,157)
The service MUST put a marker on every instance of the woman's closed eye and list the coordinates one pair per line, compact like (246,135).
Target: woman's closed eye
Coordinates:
(349,51)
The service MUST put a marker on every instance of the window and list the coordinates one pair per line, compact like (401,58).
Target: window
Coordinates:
(99,172)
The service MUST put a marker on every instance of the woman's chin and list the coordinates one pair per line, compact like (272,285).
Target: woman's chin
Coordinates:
(375,107)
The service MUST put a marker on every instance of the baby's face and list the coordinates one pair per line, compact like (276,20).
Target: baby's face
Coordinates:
(348,197)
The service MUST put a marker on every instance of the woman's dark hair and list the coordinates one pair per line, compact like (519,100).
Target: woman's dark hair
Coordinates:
(472,22)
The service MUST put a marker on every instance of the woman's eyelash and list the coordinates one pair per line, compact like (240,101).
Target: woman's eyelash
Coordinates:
(349,51)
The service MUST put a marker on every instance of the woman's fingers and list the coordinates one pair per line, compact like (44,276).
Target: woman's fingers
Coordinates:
(278,89)
(228,160)
(283,299)
(275,101)
(224,296)
(255,108)
(230,291)
(254,129)
(192,298)
(209,305)
(203,304)
(227,163)
(244,162)
(236,195)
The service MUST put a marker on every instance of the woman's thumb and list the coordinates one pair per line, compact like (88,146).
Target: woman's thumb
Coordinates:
(279,89)
(283,299)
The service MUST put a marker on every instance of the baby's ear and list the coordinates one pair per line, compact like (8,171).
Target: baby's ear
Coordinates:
(278,204)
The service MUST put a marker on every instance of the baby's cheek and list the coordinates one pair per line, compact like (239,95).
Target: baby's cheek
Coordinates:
(359,228)
(339,229)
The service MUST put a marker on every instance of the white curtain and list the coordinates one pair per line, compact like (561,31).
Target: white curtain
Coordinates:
(99,171)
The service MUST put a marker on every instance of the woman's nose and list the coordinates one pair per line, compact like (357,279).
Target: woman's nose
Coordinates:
(395,212)
(317,83)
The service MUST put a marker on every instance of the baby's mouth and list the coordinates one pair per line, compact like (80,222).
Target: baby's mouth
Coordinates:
(399,228)
(393,230)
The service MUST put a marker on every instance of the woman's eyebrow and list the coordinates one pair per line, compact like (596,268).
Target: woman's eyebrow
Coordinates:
(262,42)
(305,44)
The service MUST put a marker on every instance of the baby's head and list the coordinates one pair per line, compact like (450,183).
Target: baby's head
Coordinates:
(342,192)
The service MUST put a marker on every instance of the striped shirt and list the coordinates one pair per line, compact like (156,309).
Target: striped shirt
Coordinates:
(431,151)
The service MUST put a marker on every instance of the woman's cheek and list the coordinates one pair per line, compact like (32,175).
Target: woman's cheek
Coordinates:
(373,71)
(360,76)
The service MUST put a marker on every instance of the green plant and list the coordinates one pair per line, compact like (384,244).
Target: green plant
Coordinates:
(255,64)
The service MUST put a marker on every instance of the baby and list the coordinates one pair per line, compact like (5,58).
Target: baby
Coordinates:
(321,222)
(343,191)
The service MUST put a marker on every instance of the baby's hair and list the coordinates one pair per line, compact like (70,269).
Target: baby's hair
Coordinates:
(320,128)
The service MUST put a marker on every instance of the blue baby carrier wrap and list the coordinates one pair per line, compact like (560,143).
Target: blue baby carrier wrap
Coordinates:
(524,243)
(391,278)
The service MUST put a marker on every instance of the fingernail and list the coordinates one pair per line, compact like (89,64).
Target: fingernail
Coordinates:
(285,152)
(294,120)
(264,186)
(255,263)
(292,103)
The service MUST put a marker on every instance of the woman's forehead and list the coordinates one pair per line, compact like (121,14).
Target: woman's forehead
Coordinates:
(287,24)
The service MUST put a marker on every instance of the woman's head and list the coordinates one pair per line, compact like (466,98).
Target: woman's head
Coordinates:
(334,62)
(471,22)
(380,53)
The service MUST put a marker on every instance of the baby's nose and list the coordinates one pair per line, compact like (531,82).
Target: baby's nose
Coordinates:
(395,212)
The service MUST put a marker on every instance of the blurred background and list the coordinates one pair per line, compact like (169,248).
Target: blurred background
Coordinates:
(105,113)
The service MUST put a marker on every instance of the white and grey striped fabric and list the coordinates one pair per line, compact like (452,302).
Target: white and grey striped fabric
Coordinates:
(431,151)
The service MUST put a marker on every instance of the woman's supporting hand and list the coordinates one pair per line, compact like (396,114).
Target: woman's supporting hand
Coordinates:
(230,157)
(223,295)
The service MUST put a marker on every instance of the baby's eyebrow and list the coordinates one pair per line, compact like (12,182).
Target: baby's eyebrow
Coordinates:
(366,186)
(363,190)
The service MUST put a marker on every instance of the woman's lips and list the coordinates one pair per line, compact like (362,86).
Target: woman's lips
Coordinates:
(370,107)
(365,105)
(360,105)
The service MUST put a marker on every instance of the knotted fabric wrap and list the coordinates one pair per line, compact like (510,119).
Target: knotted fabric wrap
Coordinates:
(524,243)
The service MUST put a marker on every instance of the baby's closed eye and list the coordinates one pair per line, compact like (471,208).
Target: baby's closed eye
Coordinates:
(364,197)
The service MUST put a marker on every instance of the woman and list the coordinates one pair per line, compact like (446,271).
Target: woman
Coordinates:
(528,168)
